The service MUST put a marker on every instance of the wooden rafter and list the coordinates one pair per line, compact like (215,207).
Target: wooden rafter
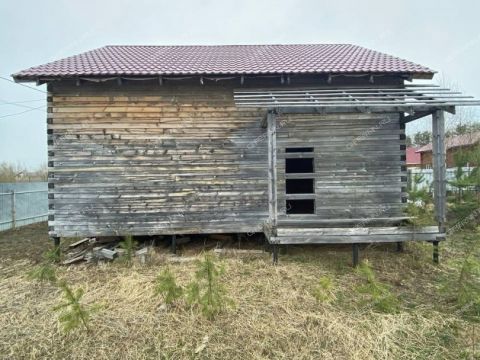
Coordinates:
(414,99)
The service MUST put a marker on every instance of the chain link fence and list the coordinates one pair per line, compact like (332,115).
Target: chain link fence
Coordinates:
(22,204)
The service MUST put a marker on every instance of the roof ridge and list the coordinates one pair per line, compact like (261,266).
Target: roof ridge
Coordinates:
(223,45)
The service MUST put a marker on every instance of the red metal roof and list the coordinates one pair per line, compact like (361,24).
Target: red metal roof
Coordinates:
(413,157)
(455,141)
(225,59)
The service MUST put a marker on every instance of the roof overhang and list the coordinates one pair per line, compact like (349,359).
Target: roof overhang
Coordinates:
(284,77)
(415,101)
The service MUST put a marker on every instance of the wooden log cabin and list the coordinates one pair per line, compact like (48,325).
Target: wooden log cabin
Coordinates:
(305,143)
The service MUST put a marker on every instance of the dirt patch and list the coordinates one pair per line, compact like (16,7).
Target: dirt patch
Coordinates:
(25,243)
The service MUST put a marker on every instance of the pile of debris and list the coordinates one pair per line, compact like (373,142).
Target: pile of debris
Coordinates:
(95,249)
(108,248)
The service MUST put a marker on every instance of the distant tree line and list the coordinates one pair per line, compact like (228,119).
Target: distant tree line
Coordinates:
(18,173)
(422,138)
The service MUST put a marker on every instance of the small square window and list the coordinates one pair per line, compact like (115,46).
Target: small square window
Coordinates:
(306,206)
(298,149)
(299,186)
(299,165)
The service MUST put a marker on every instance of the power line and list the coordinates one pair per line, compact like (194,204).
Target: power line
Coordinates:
(6,79)
(22,112)
(20,102)
(16,104)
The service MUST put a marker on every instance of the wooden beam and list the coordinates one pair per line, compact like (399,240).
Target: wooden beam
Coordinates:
(351,108)
(272,167)
(439,168)
(416,115)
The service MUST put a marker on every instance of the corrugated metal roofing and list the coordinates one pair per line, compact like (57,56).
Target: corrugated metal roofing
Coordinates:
(224,60)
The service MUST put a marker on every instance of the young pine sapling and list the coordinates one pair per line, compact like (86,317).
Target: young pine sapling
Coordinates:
(166,286)
(73,312)
(207,290)
(378,293)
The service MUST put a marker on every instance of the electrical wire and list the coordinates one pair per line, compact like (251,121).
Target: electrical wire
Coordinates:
(19,102)
(3,102)
(22,112)
(32,88)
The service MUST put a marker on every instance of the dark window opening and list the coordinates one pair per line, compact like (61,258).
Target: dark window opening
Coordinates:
(299,149)
(300,206)
(299,186)
(302,165)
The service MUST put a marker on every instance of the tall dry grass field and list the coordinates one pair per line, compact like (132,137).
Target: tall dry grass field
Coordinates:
(276,314)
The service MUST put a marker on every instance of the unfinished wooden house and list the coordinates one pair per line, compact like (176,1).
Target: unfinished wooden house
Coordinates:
(305,143)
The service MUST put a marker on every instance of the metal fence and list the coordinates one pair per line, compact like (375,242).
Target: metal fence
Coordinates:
(427,182)
(22,204)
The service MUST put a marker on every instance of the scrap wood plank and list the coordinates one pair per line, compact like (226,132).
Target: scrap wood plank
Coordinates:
(74,259)
(79,242)
(239,252)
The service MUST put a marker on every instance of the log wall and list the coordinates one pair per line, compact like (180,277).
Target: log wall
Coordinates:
(154,159)
(359,164)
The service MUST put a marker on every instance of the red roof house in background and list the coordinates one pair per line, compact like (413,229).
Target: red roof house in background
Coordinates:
(414,158)
(453,145)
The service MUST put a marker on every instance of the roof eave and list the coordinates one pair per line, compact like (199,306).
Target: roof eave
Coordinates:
(19,78)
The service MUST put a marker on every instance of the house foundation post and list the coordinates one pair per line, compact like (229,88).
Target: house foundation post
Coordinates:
(173,247)
(56,245)
(275,254)
(355,248)
(435,252)
(399,246)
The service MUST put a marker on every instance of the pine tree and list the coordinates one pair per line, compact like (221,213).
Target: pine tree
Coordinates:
(207,291)
(73,313)
(46,270)
(379,294)
(128,245)
(323,292)
(166,286)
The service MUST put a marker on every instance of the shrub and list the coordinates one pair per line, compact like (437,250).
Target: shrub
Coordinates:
(379,294)
(207,291)
(166,286)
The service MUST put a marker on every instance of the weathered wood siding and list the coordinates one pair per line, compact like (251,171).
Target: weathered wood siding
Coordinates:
(359,163)
(154,160)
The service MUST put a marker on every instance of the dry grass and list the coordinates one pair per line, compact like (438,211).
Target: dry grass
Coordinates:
(275,314)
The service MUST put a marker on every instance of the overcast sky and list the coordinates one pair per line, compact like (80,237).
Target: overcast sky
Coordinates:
(443,35)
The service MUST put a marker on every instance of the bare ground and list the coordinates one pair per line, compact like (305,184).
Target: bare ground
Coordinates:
(275,315)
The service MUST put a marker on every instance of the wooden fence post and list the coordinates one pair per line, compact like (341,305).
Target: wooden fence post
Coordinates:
(14,211)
